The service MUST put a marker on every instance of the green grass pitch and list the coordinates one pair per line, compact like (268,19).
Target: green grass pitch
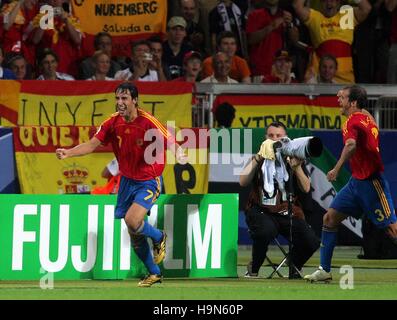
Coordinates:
(373,279)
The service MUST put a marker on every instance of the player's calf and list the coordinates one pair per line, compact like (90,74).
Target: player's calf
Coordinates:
(391,231)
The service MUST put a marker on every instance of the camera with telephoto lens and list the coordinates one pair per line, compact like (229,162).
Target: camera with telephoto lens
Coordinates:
(301,148)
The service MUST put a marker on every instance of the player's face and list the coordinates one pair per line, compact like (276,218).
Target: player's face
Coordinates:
(275,133)
(125,103)
(343,100)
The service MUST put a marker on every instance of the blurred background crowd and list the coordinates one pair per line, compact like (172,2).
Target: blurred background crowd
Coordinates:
(218,41)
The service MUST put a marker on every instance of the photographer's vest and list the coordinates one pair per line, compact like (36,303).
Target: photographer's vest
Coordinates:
(276,203)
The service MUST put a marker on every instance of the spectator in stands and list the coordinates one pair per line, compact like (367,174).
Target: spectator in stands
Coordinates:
(371,45)
(228,16)
(102,42)
(157,64)
(174,49)
(227,43)
(267,210)
(336,41)
(266,33)
(64,39)
(17,28)
(5,73)
(391,5)
(191,66)
(327,70)
(224,115)
(195,35)
(281,69)
(18,65)
(139,69)
(101,63)
(221,63)
(48,62)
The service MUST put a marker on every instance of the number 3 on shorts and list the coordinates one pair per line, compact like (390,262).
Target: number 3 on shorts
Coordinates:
(380,216)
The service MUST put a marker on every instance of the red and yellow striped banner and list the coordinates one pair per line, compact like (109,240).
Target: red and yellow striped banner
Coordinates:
(258,111)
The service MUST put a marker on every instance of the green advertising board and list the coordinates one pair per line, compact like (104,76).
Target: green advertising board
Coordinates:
(77,237)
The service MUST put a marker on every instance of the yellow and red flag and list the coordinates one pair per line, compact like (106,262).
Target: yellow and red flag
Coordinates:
(40,172)
(88,103)
(258,111)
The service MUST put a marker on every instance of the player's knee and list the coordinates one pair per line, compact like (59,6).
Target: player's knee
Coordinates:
(132,224)
(329,221)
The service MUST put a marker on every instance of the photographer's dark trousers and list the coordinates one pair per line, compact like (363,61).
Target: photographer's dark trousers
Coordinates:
(265,226)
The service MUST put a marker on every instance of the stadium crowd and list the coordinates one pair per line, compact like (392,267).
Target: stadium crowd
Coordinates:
(225,41)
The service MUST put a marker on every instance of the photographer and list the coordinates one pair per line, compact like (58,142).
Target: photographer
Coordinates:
(267,214)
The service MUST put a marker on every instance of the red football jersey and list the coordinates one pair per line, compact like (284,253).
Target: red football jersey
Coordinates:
(366,160)
(138,159)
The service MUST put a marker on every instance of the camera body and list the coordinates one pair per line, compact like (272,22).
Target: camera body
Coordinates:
(301,148)
(147,56)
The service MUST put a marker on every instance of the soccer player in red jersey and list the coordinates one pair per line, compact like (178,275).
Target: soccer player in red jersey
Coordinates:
(141,179)
(367,191)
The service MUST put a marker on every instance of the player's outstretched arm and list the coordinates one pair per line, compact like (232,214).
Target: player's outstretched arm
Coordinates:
(79,150)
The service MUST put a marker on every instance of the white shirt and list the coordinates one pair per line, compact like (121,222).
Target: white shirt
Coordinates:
(317,79)
(59,76)
(211,79)
(125,74)
(106,78)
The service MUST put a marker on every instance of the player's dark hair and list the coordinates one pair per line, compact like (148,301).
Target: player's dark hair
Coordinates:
(277,124)
(127,86)
(359,94)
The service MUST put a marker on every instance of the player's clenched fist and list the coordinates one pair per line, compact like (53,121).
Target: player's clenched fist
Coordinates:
(61,153)
(332,175)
